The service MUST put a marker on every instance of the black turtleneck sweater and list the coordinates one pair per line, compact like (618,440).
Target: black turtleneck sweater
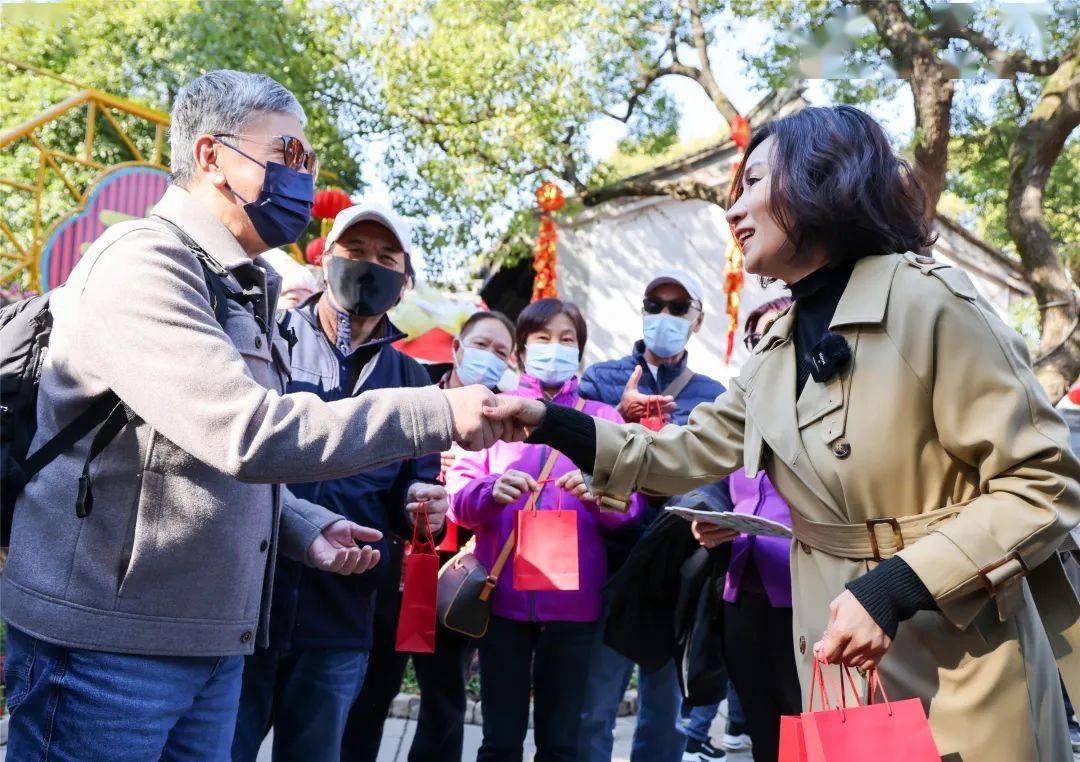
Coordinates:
(891,592)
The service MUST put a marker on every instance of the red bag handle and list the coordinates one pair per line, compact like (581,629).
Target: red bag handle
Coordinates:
(421,511)
(817,679)
(875,681)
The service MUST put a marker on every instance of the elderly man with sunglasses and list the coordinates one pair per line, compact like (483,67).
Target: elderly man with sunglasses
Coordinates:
(129,614)
(653,385)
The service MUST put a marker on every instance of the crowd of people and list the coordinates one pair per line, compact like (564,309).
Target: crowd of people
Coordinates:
(262,470)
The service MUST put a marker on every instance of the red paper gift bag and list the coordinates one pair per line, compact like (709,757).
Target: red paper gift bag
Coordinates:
(893,731)
(416,622)
(650,421)
(546,549)
(792,743)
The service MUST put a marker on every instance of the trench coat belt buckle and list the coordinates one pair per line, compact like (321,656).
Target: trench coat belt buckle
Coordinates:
(868,541)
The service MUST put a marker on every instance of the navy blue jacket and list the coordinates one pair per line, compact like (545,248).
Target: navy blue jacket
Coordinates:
(316,609)
(605,382)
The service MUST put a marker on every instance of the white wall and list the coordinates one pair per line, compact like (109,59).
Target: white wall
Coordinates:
(607,255)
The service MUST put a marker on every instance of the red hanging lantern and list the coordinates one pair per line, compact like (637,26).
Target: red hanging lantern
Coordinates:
(313,252)
(740,132)
(550,198)
(1074,395)
(329,202)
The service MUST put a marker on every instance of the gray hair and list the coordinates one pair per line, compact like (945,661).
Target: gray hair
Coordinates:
(221,101)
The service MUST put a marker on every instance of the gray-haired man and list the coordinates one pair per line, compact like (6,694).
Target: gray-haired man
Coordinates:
(128,622)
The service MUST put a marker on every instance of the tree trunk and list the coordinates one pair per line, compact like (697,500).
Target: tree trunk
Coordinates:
(933,95)
(1054,117)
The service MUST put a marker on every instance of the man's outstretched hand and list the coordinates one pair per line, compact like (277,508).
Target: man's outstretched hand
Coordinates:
(517,416)
(336,549)
(634,405)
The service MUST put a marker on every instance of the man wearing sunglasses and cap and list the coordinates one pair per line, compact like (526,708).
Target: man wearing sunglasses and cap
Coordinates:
(653,385)
(142,554)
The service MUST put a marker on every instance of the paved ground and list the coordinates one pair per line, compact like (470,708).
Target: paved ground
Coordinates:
(398,736)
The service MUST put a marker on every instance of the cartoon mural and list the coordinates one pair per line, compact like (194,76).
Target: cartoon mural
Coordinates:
(123,193)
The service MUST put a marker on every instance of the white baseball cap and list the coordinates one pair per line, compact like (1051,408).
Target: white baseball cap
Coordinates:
(370,210)
(680,278)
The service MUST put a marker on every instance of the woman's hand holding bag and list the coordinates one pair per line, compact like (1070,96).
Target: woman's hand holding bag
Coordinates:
(893,731)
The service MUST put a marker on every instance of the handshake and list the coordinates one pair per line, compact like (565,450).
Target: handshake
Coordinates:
(482,418)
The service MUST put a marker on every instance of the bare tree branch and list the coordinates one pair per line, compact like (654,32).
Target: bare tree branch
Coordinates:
(683,190)
(704,72)
(1005,63)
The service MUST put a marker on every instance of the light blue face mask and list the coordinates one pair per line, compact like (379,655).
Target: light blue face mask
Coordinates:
(666,335)
(551,364)
(478,366)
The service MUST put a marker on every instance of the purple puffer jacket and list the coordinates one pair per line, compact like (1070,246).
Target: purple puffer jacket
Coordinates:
(757,496)
(469,482)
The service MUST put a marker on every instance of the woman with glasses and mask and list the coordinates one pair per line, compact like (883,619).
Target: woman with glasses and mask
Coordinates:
(757,592)
(930,480)
(538,642)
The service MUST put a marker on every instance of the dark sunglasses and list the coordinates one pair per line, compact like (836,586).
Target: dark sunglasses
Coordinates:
(676,307)
(292,149)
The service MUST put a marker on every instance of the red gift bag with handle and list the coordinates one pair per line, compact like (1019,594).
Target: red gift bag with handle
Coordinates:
(792,743)
(420,582)
(546,549)
(892,731)
(650,421)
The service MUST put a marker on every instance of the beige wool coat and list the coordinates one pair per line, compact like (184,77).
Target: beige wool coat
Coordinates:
(935,443)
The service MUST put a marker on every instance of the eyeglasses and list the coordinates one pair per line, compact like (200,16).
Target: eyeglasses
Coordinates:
(292,150)
(676,307)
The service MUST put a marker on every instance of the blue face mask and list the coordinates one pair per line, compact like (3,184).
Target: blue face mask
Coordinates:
(551,364)
(666,335)
(282,211)
(478,366)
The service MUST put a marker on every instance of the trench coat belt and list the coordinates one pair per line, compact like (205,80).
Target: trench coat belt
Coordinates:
(877,539)
(872,540)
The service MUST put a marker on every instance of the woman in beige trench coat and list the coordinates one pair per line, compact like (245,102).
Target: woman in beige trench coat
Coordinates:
(930,479)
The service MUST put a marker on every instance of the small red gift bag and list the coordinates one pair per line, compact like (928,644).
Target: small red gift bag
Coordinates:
(416,622)
(893,731)
(650,421)
(792,743)
(546,549)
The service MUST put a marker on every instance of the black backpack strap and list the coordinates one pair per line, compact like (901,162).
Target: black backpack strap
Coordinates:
(214,273)
(83,424)
(119,417)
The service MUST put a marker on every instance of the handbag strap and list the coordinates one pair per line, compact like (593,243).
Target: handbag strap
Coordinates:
(508,546)
(679,383)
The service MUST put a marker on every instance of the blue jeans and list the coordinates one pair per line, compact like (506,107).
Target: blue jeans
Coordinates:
(698,720)
(305,695)
(656,737)
(74,704)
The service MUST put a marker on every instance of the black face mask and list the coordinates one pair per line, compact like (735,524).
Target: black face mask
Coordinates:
(364,288)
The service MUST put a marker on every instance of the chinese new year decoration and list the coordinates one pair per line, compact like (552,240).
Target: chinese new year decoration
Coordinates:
(314,250)
(550,199)
(740,132)
(733,257)
(328,203)
(326,206)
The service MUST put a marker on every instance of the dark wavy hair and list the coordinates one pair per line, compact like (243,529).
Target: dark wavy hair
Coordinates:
(837,183)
